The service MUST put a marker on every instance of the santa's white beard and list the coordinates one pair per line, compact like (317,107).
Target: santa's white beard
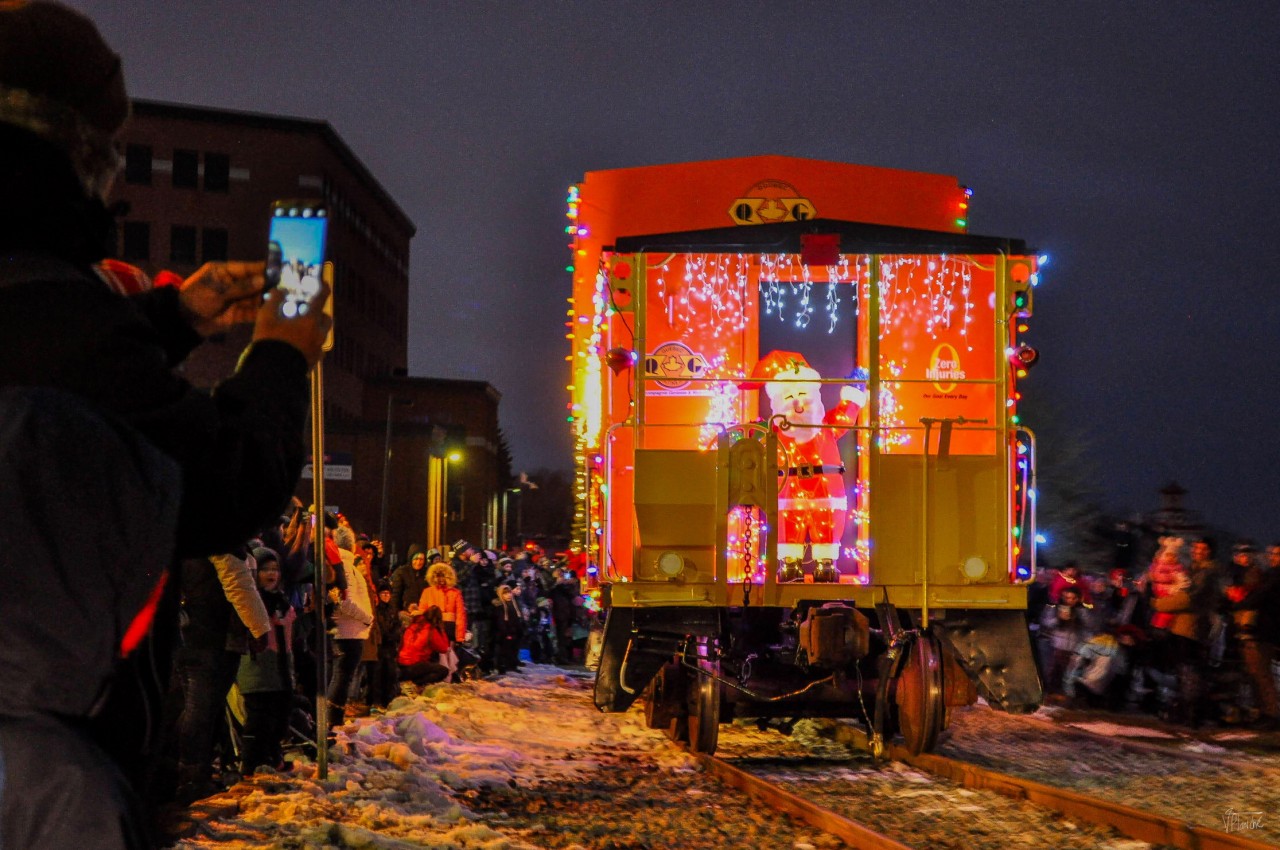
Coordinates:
(802,423)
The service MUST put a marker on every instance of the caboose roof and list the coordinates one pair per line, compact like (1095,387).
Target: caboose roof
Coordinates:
(784,238)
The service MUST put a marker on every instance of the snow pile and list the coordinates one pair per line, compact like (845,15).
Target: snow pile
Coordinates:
(400,780)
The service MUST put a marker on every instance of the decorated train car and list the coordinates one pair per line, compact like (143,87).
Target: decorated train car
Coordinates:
(801,473)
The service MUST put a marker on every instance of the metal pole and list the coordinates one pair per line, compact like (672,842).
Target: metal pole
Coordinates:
(444,501)
(506,518)
(386,474)
(520,518)
(317,555)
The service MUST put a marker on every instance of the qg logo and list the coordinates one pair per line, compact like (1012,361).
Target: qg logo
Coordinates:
(944,368)
(769,202)
(674,364)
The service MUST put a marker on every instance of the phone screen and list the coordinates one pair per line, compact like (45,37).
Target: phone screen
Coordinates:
(295,252)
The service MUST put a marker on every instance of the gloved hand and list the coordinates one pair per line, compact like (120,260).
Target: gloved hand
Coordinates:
(857,395)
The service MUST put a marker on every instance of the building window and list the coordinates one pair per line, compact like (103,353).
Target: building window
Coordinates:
(137,241)
(182,244)
(137,164)
(217,172)
(186,169)
(214,242)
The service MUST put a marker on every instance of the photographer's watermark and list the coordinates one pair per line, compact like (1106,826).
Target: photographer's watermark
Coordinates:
(1233,821)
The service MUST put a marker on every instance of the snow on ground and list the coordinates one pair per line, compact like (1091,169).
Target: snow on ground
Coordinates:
(397,780)
(1120,730)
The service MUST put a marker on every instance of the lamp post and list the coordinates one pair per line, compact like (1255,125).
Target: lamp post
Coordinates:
(386,465)
(451,457)
(506,515)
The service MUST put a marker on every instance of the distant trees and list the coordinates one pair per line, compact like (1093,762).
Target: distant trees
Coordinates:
(1068,511)
(546,509)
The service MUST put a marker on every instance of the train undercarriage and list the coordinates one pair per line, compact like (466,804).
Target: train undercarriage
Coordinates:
(696,668)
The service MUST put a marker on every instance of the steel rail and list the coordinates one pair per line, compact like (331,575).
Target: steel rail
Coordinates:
(849,831)
(1135,823)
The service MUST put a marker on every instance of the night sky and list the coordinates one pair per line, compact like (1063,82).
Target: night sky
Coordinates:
(1133,142)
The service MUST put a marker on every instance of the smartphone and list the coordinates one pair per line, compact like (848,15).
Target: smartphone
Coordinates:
(296,246)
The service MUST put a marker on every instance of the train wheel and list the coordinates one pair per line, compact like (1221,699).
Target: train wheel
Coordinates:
(919,696)
(704,704)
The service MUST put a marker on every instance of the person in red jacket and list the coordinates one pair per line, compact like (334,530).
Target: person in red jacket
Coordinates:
(420,649)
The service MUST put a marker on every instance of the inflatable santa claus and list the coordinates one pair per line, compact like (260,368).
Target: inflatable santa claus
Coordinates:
(812,505)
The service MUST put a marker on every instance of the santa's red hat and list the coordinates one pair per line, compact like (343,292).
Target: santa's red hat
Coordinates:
(779,366)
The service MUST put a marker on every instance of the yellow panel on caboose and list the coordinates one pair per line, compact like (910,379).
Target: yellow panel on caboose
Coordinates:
(964,521)
(675,505)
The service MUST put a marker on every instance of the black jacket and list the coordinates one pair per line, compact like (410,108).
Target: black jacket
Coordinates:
(240,448)
(407,585)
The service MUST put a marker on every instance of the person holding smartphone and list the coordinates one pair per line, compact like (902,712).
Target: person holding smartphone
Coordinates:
(94,423)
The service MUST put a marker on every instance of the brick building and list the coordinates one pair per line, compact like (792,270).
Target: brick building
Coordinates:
(199,183)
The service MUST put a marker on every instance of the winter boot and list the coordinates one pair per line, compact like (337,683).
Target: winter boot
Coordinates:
(790,571)
(825,572)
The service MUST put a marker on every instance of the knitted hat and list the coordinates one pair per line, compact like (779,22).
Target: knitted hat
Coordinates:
(60,81)
(262,554)
(460,546)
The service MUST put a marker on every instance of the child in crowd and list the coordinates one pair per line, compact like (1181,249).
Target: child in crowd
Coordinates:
(266,678)
(385,673)
(508,630)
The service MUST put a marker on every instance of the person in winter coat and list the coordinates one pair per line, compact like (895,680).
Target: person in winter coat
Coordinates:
(220,600)
(1185,609)
(508,630)
(1255,609)
(93,370)
(1068,576)
(409,579)
(475,578)
(421,647)
(385,674)
(566,589)
(442,592)
(1065,628)
(353,617)
(369,655)
(265,678)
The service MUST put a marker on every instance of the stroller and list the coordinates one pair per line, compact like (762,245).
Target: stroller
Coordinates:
(463,664)
(300,732)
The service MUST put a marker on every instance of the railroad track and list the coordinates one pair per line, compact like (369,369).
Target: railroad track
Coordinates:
(753,777)
(1171,748)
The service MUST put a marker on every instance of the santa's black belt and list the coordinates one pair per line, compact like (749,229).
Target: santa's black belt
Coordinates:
(810,471)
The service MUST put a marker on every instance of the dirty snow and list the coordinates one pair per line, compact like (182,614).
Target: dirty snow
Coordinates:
(397,780)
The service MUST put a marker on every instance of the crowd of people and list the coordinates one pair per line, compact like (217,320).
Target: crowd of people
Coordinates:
(460,613)
(1190,638)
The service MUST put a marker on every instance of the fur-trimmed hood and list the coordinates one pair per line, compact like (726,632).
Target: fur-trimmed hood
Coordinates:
(451,578)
